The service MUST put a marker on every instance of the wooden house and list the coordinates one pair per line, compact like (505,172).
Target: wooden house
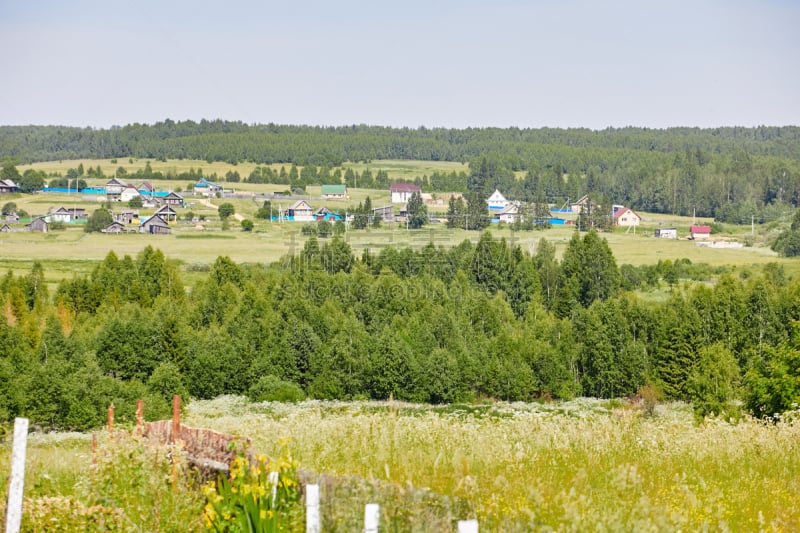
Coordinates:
(146,187)
(68,214)
(207,188)
(167,213)
(338,192)
(38,224)
(626,217)
(578,206)
(508,214)
(301,211)
(114,227)
(5,228)
(12,218)
(114,189)
(323,213)
(173,199)
(400,193)
(155,225)
(125,217)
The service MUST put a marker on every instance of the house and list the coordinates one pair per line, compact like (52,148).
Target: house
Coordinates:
(146,188)
(38,224)
(700,232)
(114,227)
(173,199)
(323,213)
(155,225)
(386,213)
(129,193)
(114,189)
(206,188)
(578,206)
(626,217)
(8,186)
(400,193)
(167,213)
(497,202)
(338,192)
(301,211)
(125,217)
(12,218)
(507,215)
(5,228)
(666,233)
(68,214)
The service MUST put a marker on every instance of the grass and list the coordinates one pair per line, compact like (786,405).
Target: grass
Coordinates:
(583,465)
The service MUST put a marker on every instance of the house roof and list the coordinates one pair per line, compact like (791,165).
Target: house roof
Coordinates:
(146,186)
(174,195)
(700,229)
(8,183)
(155,220)
(115,181)
(166,209)
(510,209)
(324,211)
(624,210)
(582,200)
(114,224)
(404,187)
(300,204)
(497,197)
(205,183)
(334,189)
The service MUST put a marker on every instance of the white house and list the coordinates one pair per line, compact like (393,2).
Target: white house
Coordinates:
(129,193)
(666,233)
(700,232)
(401,192)
(509,214)
(497,201)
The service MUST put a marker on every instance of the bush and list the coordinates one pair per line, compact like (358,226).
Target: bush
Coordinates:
(247,225)
(273,389)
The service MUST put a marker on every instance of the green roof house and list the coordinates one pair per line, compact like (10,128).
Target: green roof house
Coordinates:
(334,191)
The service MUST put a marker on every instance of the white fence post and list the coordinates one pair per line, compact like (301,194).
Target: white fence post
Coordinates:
(14,507)
(467,526)
(372,517)
(312,509)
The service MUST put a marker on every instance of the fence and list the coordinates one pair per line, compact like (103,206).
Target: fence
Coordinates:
(204,448)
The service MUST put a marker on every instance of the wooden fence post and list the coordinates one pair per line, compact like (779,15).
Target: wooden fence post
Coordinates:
(14,504)
(312,509)
(467,526)
(372,517)
(176,419)
(94,448)
(111,419)
(140,416)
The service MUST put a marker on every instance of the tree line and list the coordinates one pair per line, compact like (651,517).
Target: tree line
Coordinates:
(733,174)
(476,321)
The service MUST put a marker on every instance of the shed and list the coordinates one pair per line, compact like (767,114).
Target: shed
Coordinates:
(700,232)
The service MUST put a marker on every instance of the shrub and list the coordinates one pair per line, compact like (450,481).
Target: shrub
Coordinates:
(273,389)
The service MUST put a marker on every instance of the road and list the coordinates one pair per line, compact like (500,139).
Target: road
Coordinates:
(208,203)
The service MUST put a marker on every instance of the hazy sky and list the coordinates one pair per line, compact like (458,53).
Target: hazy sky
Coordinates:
(457,63)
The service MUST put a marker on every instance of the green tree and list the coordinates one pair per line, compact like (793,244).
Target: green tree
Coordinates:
(135,202)
(9,208)
(713,383)
(247,225)
(416,211)
(773,384)
(98,220)
(477,212)
(456,211)
(226,210)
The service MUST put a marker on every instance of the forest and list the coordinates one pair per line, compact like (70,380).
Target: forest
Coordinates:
(469,323)
(733,174)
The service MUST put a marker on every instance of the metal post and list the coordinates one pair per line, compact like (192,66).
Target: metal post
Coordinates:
(14,506)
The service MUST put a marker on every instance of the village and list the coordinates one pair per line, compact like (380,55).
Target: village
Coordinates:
(168,203)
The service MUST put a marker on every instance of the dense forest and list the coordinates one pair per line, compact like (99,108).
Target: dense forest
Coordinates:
(473,322)
(730,173)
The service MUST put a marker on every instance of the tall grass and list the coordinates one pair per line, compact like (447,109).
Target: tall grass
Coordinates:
(578,466)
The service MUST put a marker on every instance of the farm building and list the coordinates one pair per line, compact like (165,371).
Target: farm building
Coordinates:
(497,202)
(38,224)
(700,232)
(400,193)
(68,214)
(125,217)
(114,227)
(323,213)
(338,192)
(155,225)
(666,233)
(626,217)
(385,213)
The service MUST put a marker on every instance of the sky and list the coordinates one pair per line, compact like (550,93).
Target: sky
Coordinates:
(411,63)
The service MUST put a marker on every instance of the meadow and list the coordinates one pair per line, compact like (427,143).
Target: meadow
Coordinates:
(582,465)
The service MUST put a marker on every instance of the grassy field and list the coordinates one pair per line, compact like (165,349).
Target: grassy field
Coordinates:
(583,465)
